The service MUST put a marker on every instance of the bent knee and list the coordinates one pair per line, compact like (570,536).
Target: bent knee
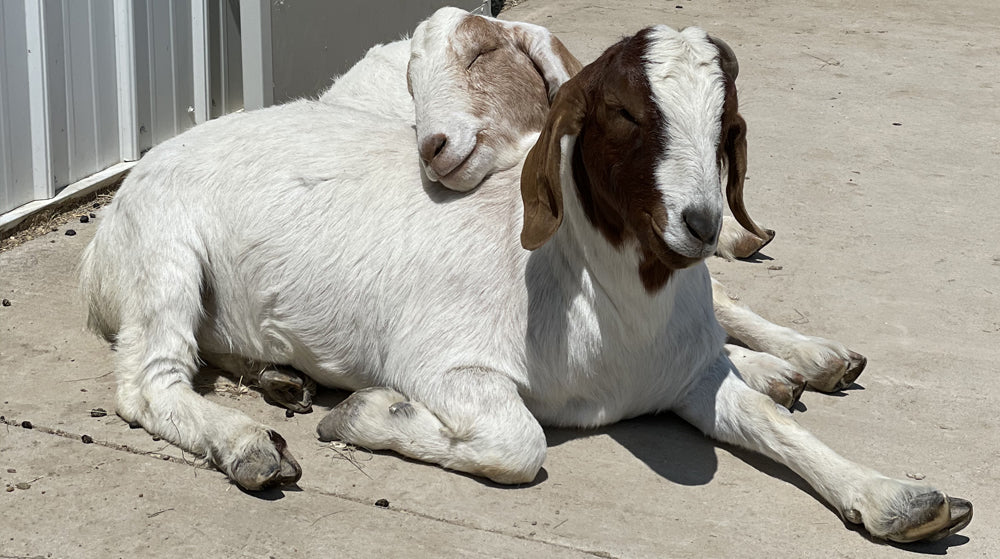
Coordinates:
(512,460)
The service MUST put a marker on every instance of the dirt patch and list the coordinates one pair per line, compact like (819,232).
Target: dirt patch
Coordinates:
(51,219)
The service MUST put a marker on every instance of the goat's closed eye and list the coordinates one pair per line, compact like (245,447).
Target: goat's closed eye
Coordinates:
(623,112)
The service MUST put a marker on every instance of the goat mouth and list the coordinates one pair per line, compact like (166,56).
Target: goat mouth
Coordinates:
(457,169)
(663,251)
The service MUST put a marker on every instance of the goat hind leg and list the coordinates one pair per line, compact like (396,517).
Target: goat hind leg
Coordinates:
(827,366)
(472,421)
(157,359)
(723,407)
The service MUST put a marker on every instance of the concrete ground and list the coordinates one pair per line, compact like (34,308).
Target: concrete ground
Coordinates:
(873,152)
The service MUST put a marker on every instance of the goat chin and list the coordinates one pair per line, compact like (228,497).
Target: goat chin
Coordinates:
(305,235)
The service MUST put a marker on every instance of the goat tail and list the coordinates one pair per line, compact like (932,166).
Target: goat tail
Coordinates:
(102,307)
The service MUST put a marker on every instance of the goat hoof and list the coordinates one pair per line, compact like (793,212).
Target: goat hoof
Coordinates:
(262,468)
(786,392)
(960,511)
(364,411)
(931,517)
(855,366)
(288,388)
(836,371)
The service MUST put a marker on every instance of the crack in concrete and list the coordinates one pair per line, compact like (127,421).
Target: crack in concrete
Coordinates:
(204,466)
(106,444)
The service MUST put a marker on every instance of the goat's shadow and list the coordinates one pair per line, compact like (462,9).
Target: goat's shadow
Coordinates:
(678,452)
(665,443)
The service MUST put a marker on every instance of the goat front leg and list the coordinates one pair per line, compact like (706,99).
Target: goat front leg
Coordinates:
(470,420)
(827,366)
(737,242)
(768,374)
(723,407)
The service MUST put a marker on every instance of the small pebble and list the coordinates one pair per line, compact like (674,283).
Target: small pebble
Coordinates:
(11,471)
(897,123)
(5,302)
(87,439)
(917,477)
(97,205)
(70,232)
(98,412)
(93,215)
(23,485)
(289,413)
(10,488)
(27,425)
(382,503)
(775,268)
(84,219)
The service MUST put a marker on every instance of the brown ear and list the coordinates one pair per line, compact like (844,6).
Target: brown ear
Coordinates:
(735,133)
(541,187)
(552,59)
(736,161)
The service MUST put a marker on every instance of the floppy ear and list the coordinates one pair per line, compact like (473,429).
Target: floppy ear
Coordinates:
(554,62)
(734,132)
(736,162)
(541,187)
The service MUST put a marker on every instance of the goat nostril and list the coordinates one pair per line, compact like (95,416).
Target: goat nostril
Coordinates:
(701,225)
(432,146)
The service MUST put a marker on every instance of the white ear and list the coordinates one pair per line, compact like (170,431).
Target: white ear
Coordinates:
(555,63)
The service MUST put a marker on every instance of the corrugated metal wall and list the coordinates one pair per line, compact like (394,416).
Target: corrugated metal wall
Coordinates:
(87,86)
(16,187)
(80,97)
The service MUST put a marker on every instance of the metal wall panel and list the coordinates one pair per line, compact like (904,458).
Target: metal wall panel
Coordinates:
(164,83)
(312,41)
(16,185)
(82,97)
(225,67)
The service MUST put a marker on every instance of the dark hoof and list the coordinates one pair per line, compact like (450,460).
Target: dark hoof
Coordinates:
(786,393)
(259,470)
(767,240)
(331,428)
(961,516)
(797,393)
(855,367)
(288,388)
(932,517)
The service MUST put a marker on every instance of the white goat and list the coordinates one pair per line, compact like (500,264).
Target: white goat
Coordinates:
(457,341)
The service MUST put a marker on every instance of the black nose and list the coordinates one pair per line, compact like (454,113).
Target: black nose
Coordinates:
(703,224)
(431,146)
